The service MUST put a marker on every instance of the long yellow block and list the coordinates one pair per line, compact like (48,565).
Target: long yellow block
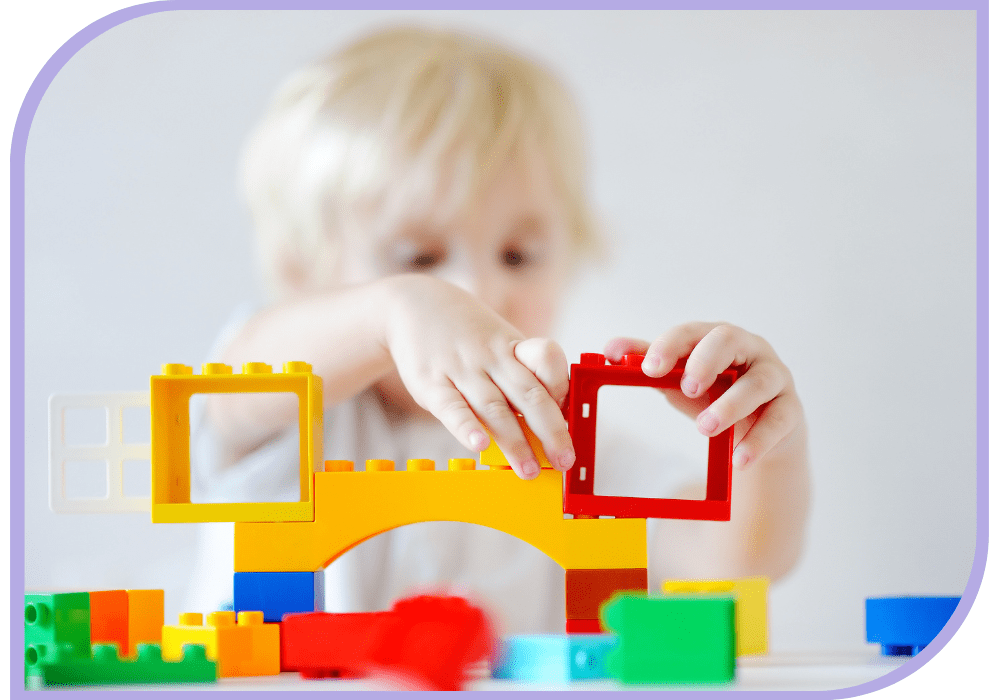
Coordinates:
(354,506)
(751,607)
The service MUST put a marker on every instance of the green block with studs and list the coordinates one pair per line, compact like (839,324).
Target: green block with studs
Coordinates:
(672,639)
(106,668)
(55,625)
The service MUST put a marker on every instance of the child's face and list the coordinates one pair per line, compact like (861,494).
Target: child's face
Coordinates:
(512,249)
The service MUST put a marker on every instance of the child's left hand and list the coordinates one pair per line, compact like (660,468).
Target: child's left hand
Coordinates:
(762,404)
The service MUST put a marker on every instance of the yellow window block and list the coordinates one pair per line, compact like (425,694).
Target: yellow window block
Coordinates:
(170,395)
(247,647)
(751,607)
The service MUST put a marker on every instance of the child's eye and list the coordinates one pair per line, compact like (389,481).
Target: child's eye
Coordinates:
(515,258)
(425,260)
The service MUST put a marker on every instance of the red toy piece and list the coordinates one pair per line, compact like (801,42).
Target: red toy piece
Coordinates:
(327,645)
(428,642)
(581,413)
(425,642)
(577,626)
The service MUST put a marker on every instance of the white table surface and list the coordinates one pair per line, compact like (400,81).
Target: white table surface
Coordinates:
(778,671)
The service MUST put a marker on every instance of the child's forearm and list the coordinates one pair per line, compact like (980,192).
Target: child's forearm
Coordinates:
(339,332)
(770,502)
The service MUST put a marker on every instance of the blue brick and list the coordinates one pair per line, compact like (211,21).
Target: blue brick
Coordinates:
(905,625)
(553,657)
(278,592)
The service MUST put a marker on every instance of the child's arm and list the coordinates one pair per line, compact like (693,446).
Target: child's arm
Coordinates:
(458,359)
(770,493)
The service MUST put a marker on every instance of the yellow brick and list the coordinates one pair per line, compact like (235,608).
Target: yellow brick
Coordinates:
(528,510)
(245,648)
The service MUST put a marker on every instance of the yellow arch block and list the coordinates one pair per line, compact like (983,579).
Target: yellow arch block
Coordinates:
(352,506)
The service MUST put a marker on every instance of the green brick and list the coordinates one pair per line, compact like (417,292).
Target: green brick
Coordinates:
(55,624)
(105,668)
(672,639)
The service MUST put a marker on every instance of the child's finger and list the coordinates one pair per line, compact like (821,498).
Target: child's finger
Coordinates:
(664,352)
(762,382)
(541,412)
(449,406)
(775,423)
(617,348)
(547,361)
(491,406)
(723,346)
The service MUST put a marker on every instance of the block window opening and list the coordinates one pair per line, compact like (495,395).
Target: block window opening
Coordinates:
(647,448)
(216,467)
(85,426)
(86,479)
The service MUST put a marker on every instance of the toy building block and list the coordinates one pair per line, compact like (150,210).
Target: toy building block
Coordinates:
(553,658)
(492,456)
(528,510)
(106,668)
(109,619)
(904,625)
(327,645)
(429,642)
(145,618)
(579,626)
(56,625)
(276,593)
(113,450)
(586,378)
(751,607)
(586,589)
(247,647)
(170,395)
(674,639)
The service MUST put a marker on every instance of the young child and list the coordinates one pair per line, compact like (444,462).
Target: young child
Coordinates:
(420,205)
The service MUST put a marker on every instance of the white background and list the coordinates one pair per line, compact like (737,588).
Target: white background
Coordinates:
(855,183)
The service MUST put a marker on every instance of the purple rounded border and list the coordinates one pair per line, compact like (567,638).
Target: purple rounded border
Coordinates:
(95,29)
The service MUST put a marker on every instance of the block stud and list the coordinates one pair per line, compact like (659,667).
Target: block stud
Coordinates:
(592,359)
(420,465)
(461,465)
(379,465)
(296,367)
(256,368)
(633,360)
(191,619)
(338,465)
(216,368)
(250,617)
(175,369)
(36,614)
(222,618)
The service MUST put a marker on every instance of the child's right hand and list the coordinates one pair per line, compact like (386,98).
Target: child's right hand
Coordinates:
(470,368)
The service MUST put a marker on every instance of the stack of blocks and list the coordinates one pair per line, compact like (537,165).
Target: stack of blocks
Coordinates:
(103,637)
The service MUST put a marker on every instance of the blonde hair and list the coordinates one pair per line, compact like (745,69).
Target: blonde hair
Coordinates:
(392,127)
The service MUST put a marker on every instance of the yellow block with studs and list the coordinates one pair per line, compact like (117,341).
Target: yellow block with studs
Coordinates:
(244,646)
(352,506)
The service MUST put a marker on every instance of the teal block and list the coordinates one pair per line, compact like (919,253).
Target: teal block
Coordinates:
(55,624)
(105,668)
(672,639)
(553,658)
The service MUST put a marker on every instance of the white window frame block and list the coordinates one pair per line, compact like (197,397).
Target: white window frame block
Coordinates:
(114,452)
